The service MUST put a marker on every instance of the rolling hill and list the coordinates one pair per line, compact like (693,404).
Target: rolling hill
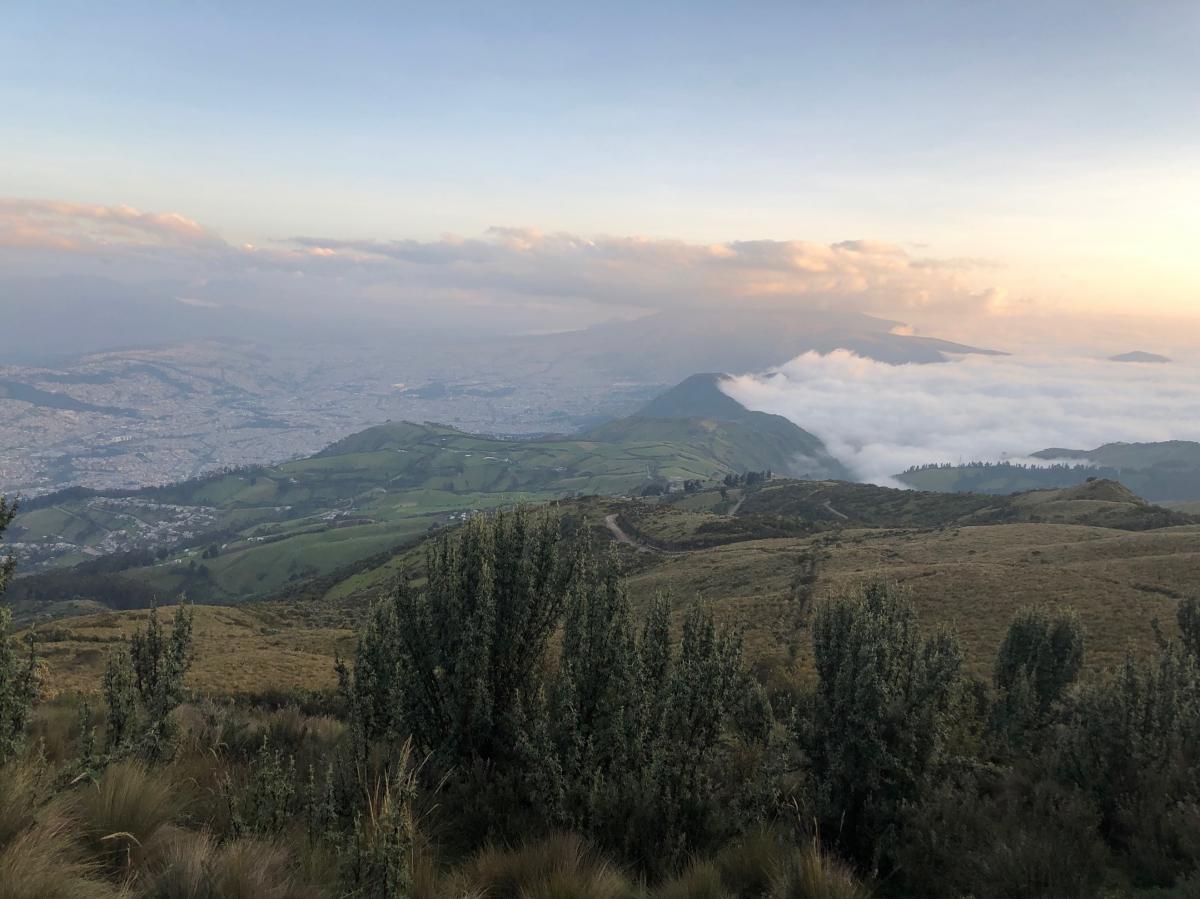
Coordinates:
(242,534)
(761,558)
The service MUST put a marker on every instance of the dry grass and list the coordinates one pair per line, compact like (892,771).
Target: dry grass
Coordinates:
(970,578)
(123,810)
(812,874)
(238,651)
(558,867)
(189,865)
(40,856)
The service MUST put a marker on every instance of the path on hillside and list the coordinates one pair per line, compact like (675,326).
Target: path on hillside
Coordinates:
(835,511)
(737,505)
(610,522)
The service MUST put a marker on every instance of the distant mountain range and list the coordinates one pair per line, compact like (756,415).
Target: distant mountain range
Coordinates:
(1168,471)
(671,346)
(1139,356)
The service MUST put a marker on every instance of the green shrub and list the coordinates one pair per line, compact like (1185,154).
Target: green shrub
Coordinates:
(877,733)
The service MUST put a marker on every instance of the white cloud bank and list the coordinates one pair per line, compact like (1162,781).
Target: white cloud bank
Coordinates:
(879,419)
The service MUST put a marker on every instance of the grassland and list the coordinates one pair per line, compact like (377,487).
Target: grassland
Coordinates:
(250,533)
(968,568)
(238,651)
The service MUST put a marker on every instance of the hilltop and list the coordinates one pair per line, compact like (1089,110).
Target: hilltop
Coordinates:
(758,440)
(1139,356)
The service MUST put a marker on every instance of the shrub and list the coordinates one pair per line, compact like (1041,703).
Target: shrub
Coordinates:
(1040,658)
(18,676)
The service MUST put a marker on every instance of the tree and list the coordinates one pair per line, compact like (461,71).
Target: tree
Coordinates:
(1132,741)
(877,731)
(1188,618)
(1040,658)
(18,673)
(143,684)
(458,664)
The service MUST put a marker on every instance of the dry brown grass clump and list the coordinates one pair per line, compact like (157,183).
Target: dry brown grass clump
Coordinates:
(40,856)
(190,865)
(123,810)
(560,866)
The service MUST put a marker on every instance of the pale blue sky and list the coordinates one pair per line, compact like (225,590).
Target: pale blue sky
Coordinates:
(1061,140)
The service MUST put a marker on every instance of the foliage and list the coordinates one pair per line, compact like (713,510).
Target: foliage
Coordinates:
(144,684)
(1041,657)
(18,676)
(1132,741)
(877,732)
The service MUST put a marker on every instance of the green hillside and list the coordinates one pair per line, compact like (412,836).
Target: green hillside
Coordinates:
(697,411)
(248,533)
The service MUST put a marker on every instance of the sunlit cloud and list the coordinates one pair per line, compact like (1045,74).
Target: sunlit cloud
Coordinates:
(56,225)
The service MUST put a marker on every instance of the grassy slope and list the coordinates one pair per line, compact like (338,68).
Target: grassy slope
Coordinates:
(238,650)
(963,573)
(379,488)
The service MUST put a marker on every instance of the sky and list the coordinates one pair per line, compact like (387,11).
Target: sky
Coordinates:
(960,165)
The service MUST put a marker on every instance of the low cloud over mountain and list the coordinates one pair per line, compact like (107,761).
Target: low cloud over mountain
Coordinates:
(879,419)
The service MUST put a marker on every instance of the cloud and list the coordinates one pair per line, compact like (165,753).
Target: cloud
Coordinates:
(56,225)
(879,419)
(858,275)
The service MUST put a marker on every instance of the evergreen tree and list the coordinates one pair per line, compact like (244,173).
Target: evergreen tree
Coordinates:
(877,731)
(1040,658)
(458,665)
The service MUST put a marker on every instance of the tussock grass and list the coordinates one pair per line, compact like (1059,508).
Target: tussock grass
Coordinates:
(189,865)
(701,880)
(810,873)
(560,866)
(763,865)
(124,809)
(40,857)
